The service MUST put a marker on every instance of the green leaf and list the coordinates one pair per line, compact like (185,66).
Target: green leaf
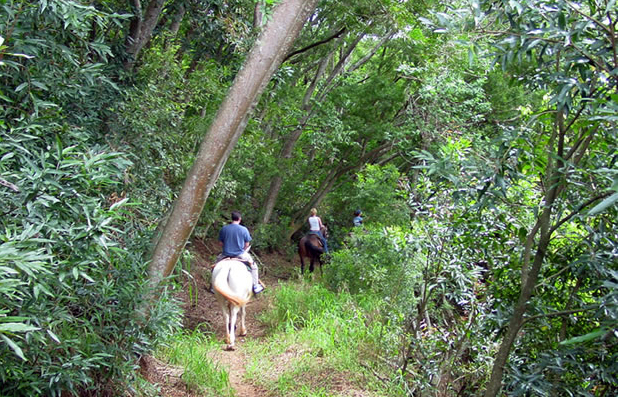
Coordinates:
(603,205)
(53,336)
(17,327)
(86,276)
(16,349)
(584,338)
(118,204)
(21,87)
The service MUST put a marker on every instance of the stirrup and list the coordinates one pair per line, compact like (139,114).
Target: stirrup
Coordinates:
(258,288)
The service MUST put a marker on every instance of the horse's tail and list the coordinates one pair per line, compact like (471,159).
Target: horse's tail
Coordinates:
(312,247)
(221,285)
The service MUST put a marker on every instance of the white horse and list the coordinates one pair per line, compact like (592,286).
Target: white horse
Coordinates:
(233,287)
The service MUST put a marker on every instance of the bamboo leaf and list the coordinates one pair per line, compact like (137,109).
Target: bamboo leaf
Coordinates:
(16,349)
(603,205)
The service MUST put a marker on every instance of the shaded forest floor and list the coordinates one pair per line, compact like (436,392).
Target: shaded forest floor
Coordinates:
(206,315)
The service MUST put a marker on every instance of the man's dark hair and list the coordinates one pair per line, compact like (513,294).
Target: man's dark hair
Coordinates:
(235,216)
(357,212)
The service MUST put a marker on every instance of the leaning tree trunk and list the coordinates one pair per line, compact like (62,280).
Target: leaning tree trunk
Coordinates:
(290,141)
(334,175)
(275,41)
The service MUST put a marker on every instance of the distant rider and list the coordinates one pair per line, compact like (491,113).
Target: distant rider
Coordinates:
(315,227)
(358,218)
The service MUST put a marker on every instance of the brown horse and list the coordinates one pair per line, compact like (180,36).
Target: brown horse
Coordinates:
(310,246)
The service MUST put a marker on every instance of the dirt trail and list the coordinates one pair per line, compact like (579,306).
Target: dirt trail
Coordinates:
(236,361)
(207,315)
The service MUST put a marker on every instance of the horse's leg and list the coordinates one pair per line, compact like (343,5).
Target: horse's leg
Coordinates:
(233,317)
(226,316)
(311,263)
(302,262)
(243,328)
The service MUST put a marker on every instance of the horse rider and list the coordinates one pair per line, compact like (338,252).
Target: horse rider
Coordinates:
(315,227)
(358,218)
(234,240)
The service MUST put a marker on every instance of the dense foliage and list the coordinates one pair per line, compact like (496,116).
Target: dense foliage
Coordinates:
(478,138)
(73,271)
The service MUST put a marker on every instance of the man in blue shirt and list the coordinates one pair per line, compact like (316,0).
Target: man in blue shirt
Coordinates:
(234,239)
(358,219)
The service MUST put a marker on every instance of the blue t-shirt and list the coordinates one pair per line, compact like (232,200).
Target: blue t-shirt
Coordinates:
(234,237)
(358,220)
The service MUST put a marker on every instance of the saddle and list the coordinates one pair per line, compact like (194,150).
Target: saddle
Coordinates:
(233,258)
(309,234)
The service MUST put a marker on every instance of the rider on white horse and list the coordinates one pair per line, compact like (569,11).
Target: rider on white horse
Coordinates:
(234,239)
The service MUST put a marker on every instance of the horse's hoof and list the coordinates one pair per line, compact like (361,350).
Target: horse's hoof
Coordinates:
(230,348)
(243,334)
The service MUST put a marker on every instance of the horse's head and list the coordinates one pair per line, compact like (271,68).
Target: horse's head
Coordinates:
(324,231)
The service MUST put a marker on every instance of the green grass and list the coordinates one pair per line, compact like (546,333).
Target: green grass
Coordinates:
(191,352)
(318,345)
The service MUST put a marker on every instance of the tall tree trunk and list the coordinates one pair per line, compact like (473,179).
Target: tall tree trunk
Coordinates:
(517,319)
(141,27)
(277,180)
(176,21)
(258,14)
(290,141)
(530,274)
(266,55)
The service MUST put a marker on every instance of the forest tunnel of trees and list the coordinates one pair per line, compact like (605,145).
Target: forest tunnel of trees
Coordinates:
(478,137)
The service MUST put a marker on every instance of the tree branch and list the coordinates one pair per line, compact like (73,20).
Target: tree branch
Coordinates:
(9,185)
(574,8)
(578,210)
(555,314)
(371,53)
(317,43)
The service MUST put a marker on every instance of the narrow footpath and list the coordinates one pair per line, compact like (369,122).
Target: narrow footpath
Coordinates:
(207,315)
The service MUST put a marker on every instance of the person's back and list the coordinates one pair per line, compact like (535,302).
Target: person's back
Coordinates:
(358,219)
(315,227)
(314,223)
(234,236)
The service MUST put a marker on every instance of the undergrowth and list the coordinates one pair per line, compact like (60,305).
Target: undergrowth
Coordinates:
(192,352)
(322,344)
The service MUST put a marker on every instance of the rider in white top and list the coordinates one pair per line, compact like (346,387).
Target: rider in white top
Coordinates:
(315,227)
(314,223)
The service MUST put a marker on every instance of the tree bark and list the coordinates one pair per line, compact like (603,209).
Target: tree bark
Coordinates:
(141,28)
(258,16)
(229,123)
(175,26)
(290,141)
